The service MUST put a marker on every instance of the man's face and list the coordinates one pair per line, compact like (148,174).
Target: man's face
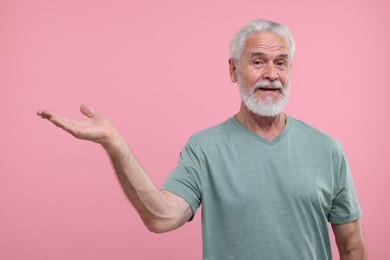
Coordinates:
(263,73)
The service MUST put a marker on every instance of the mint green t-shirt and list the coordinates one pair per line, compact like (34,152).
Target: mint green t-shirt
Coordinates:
(265,199)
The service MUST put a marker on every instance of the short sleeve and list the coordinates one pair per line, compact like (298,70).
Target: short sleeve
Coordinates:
(184,181)
(345,206)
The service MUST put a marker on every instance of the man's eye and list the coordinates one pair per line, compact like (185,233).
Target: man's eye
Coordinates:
(280,63)
(258,62)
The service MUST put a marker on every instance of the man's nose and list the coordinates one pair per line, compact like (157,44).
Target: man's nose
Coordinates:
(271,72)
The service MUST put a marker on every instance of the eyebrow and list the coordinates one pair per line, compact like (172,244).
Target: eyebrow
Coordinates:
(263,55)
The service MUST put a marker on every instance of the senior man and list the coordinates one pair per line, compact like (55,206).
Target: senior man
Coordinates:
(268,184)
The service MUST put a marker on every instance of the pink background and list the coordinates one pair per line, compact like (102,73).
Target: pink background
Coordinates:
(159,70)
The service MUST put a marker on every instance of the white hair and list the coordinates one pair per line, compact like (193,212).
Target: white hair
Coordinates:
(238,41)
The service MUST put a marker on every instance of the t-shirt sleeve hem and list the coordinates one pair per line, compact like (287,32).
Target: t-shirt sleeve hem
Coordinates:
(194,205)
(344,220)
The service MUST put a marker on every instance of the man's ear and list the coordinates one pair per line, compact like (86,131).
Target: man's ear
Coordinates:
(233,70)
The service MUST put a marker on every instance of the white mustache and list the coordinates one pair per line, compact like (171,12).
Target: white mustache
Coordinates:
(276,84)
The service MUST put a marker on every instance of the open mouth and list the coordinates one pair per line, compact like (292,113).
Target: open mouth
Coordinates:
(268,89)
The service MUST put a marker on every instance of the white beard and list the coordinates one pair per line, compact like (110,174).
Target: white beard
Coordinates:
(266,107)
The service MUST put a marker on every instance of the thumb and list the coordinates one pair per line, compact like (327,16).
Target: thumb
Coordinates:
(89,112)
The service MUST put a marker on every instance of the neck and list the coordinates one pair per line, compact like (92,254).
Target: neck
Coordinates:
(264,126)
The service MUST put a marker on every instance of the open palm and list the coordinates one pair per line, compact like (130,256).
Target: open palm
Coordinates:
(97,128)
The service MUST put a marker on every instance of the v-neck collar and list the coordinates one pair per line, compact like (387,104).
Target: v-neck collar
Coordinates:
(263,140)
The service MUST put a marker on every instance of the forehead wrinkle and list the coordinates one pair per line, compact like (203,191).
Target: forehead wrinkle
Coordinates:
(262,54)
(266,43)
(267,56)
(264,48)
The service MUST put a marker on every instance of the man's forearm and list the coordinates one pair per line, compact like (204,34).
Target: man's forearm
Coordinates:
(151,204)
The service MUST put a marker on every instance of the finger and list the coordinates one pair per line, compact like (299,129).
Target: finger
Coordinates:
(64,123)
(57,121)
(45,114)
(89,112)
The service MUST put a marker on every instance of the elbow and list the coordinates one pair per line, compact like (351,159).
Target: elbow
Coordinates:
(157,229)
(157,226)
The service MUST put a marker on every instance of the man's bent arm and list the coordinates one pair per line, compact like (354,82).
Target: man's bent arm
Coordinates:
(160,210)
(350,240)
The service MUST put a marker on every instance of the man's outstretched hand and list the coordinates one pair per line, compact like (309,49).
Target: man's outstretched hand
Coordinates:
(97,128)
(160,210)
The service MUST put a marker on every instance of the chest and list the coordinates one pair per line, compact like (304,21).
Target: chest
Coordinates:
(269,179)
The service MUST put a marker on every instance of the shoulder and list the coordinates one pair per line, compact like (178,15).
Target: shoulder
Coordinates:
(212,134)
(312,135)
